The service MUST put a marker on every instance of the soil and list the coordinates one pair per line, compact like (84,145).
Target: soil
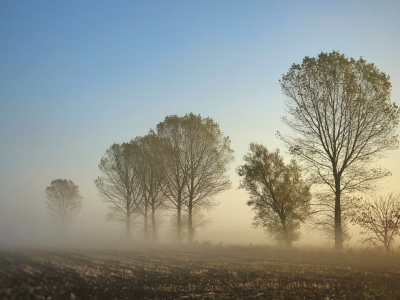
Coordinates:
(197,272)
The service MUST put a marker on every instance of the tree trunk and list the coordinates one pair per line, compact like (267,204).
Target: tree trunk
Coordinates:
(153,224)
(128,216)
(286,237)
(128,226)
(190,219)
(146,234)
(387,245)
(338,218)
(179,224)
(63,226)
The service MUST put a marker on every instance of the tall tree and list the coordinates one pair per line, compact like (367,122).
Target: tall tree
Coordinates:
(63,199)
(208,155)
(174,165)
(341,113)
(278,194)
(151,178)
(118,186)
(198,158)
(379,219)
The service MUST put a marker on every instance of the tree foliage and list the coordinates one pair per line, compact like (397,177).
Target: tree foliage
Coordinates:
(343,120)
(379,218)
(278,195)
(63,199)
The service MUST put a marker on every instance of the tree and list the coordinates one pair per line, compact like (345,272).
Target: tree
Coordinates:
(379,219)
(208,155)
(151,178)
(119,185)
(173,158)
(63,199)
(196,158)
(278,194)
(341,113)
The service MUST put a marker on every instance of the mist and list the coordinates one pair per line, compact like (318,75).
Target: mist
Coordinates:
(69,91)
(160,150)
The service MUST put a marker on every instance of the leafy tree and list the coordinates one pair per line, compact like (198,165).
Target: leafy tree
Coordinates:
(196,155)
(341,113)
(63,199)
(278,195)
(119,186)
(379,219)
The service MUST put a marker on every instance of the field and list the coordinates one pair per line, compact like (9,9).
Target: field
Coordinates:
(199,272)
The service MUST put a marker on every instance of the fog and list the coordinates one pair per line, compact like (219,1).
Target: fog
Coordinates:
(71,85)
(26,222)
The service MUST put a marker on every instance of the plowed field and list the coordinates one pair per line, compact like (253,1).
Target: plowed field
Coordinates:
(197,273)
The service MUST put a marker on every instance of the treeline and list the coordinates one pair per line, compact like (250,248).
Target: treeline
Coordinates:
(180,166)
(340,112)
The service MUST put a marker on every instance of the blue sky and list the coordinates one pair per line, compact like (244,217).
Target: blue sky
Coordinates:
(77,76)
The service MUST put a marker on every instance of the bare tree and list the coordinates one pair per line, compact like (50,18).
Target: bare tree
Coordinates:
(63,199)
(341,112)
(174,166)
(200,154)
(119,186)
(278,195)
(208,155)
(151,178)
(379,218)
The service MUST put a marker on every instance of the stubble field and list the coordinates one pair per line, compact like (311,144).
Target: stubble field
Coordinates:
(197,272)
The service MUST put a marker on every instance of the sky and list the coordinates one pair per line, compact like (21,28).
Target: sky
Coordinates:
(78,76)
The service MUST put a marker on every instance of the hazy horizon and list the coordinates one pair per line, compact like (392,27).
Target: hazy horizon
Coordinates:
(77,77)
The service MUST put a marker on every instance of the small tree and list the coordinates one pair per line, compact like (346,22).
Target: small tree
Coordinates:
(278,194)
(119,185)
(379,219)
(341,112)
(63,199)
